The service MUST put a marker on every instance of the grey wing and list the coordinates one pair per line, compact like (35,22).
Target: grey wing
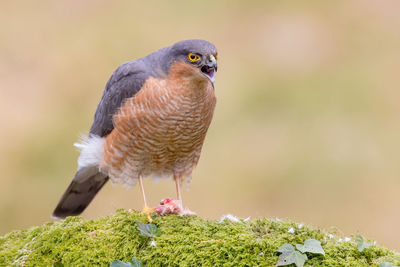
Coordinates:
(124,83)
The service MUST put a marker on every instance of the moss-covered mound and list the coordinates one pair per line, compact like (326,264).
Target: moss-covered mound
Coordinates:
(183,241)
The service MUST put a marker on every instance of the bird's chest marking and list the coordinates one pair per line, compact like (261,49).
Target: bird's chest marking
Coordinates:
(160,130)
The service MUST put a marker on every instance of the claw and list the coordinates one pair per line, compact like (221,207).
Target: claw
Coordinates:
(147,211)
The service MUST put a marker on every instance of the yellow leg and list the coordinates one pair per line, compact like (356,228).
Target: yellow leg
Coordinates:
(183,211)
(146,210)
(178,189)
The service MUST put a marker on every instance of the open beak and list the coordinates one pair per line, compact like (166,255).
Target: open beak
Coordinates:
(210,68)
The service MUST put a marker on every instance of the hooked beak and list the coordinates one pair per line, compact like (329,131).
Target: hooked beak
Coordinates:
(210,68)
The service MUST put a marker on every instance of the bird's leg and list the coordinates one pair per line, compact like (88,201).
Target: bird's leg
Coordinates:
(178,190)
(186,211)
(146,210)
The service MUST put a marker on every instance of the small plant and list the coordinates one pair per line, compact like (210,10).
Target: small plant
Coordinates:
(361,244)
(149,230)
(290,255)
(387,264)
(312,246)
(133,263)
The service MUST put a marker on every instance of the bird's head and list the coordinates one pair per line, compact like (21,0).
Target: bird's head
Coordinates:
(199,54)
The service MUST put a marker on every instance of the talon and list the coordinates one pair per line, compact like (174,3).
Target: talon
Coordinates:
(147,211)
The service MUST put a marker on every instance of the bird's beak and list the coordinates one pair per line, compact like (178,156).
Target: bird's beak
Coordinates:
(210,68)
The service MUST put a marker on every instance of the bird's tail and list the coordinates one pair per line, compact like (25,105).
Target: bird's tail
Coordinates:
(86,184)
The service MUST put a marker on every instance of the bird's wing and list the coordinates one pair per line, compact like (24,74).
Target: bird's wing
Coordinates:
(124,83)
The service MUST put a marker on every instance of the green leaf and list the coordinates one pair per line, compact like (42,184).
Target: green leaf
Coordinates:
(387,264)
(286,248)
(312,246)
(149,229)
(117,263)
(134,263)
(289,256)
(58,264)
(361,244)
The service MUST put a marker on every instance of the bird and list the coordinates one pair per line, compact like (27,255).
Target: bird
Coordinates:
(152,120)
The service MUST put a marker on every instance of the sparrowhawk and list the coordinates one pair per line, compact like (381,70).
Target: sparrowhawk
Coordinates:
(151,120)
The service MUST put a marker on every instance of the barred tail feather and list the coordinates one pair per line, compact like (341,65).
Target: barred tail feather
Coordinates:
(86,184)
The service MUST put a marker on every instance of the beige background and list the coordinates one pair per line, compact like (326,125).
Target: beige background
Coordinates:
(306,125)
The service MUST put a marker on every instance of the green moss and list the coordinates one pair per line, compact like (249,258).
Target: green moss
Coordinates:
(184,241)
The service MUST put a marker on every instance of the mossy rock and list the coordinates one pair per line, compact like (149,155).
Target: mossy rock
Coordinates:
(184,241)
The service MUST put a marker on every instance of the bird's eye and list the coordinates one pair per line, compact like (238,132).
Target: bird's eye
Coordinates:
(193,57)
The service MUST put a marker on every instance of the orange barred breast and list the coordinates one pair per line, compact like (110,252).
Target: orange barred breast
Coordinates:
(160,131)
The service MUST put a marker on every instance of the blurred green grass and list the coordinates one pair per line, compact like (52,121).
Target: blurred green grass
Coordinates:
(306,124)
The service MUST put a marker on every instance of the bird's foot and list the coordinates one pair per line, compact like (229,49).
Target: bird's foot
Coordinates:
(146,211)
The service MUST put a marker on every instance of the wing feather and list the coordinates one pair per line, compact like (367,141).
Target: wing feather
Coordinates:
(124,83)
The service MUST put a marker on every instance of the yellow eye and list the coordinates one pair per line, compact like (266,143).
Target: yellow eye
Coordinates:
(216,55)
(193,57)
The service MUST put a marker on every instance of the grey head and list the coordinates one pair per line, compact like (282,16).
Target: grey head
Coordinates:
(199,53)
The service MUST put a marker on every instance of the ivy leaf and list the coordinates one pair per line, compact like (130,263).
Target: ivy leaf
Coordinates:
(312,246)
(134,263)
(361,244)
(387,264)
(117,263)
(289,256)
(149,229)
(286,248)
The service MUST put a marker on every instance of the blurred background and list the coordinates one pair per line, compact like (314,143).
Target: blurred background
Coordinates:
(306,127)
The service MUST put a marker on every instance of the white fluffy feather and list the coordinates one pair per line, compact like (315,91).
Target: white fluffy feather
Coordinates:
(92,148)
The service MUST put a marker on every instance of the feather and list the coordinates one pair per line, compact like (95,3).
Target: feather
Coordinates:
(86,184)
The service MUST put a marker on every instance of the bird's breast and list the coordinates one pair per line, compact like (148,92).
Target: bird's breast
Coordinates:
(160,130)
